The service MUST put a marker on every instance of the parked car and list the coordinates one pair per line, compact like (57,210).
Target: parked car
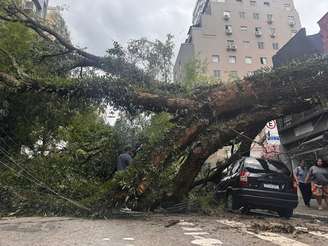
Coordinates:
(252,183)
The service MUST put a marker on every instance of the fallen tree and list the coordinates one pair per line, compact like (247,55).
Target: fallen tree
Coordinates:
(206,119)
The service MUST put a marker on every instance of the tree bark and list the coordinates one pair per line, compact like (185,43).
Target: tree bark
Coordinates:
(208,119)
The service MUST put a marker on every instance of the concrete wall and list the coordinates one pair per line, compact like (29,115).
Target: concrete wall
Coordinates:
(185,55)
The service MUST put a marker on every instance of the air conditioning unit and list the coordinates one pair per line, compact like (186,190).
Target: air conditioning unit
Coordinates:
(270,21)
(292,23)
(231,47)
(29,6)
(273,35)
(258,33)
(226,16)
(228,31)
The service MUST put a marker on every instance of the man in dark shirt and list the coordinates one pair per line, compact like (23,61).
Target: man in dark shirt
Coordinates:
(300,173)
(124,160)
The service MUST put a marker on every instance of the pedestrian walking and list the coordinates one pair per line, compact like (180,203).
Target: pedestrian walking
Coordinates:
(318,176)
(300,174)
(124,159)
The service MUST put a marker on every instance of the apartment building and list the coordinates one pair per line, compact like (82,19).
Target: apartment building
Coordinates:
(234,38)
(38,7)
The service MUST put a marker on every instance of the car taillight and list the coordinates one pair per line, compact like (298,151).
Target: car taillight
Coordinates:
(244,178)
(294,185)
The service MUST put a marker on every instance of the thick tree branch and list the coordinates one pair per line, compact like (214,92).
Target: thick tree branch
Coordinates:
(243,150)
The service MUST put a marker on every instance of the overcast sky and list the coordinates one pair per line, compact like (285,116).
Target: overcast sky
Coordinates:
(96,23)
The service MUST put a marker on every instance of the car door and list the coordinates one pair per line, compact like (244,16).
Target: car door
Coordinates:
(234,176)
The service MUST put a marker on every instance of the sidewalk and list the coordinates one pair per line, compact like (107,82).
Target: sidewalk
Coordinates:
(311,213)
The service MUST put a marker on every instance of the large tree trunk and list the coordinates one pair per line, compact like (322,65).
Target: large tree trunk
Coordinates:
(208,119)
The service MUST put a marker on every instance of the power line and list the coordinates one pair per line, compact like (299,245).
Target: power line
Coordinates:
(36,181)
(32,178)
(42,185)
(10,138)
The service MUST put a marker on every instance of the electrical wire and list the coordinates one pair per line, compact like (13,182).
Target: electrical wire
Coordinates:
(35,180)
(42,185)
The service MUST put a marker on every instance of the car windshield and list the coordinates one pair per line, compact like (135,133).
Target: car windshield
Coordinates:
(259,165)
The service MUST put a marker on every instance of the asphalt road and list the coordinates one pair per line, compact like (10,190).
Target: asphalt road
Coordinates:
(152,231)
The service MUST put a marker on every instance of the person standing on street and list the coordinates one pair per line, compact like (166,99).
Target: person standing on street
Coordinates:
(318,176)
(300,174)
(124,159)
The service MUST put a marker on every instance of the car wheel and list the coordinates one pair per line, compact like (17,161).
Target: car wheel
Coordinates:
(286,213)
(245,210)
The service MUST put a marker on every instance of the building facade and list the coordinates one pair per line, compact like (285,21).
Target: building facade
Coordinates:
(56,21)
(236,37)
(39,7)
(304,135)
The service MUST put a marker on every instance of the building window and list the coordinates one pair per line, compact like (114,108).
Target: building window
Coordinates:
(242,15)
(287,6)
(260,45)
(256,16)
(275,46)
(248,60)
(232,59)
(270,18)
(228,29)
(264,60)
(215,58)
(291,20)
(217,74)
(272,32)
(252,3)
(267,4)
(243,28)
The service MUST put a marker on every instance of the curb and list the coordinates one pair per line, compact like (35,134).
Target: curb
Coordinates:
(310,216)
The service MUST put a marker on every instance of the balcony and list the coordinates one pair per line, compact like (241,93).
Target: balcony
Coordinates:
(231,47)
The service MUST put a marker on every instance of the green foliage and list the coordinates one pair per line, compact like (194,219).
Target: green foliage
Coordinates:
(63,142)
(154,58)
(196,75)
(159,126)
